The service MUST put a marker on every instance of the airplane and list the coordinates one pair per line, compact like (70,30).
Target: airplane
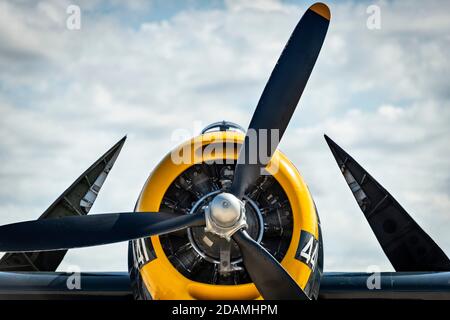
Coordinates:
(225,224)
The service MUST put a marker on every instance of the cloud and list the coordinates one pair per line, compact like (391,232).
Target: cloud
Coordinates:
(66,96)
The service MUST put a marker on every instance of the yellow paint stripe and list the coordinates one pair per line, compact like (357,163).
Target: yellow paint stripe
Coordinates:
(321,9)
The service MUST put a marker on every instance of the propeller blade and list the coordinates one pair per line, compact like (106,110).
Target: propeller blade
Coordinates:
(270,278)
(407,246)
(280,96)
(90,230)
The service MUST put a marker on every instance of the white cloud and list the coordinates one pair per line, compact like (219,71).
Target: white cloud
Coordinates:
(66,96)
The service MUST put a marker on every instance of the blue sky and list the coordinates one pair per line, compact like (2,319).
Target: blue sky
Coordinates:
(147,68)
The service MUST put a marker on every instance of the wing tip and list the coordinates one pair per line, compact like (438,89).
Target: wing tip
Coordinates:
(321,9)
(329,141)
(339,154)
(119,144)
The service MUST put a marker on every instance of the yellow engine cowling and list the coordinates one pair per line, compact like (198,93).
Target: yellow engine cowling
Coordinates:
(164,281)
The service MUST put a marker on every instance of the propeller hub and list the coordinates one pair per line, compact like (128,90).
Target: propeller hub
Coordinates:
(225,209)
(225,215)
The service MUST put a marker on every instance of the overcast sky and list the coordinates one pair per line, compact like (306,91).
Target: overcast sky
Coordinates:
(147,68)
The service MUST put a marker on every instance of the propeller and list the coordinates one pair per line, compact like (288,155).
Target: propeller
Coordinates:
(280,97)
(90,230)
(267,126)
(272,115)
(270,278)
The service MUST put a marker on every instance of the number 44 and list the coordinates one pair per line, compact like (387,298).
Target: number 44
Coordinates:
(309,252)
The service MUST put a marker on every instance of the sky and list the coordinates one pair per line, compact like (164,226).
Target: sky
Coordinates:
(149,68)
